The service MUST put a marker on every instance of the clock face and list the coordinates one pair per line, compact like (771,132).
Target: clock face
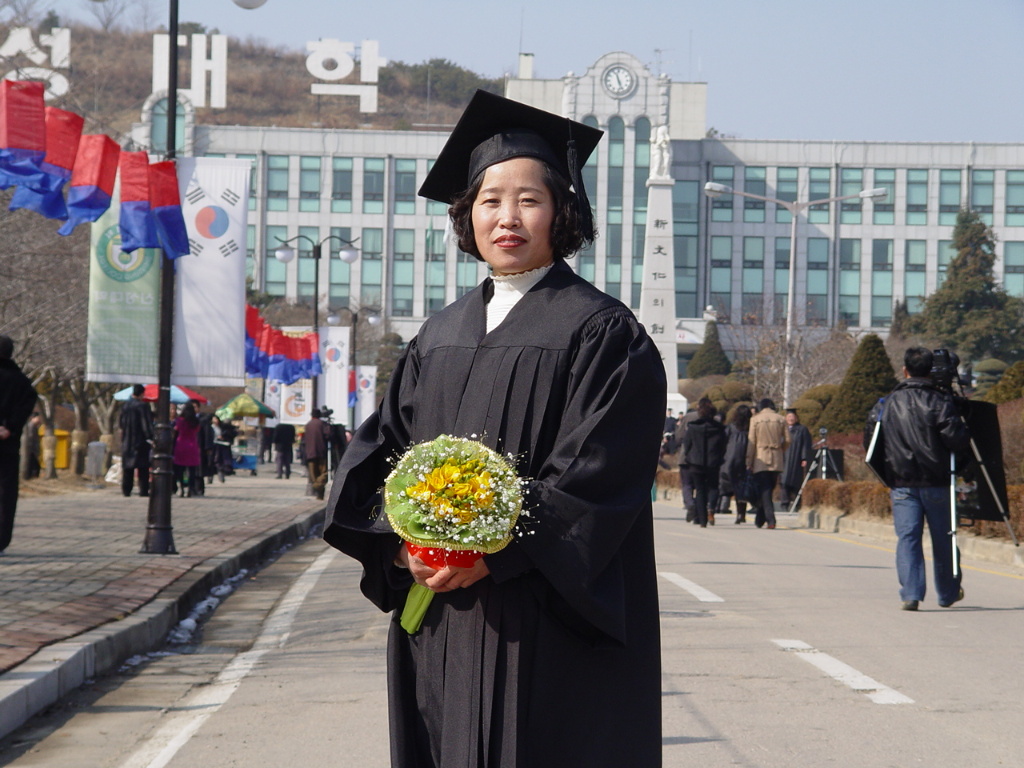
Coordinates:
(619,81)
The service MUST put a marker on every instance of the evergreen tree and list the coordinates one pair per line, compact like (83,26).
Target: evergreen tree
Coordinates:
(709,359)
(970,312)
(1009,387)
(869,377)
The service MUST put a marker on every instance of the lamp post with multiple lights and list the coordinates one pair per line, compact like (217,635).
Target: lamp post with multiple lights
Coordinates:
(284,254)
(795,208)
(159,538)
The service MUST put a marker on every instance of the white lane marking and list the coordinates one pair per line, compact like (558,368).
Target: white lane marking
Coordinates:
(845,674)
(704,595)
(185,719)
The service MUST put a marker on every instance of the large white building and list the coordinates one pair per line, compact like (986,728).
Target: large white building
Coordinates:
(854,259)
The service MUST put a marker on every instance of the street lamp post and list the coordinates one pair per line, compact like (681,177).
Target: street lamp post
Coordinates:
(795,208)
(159,538)
(373,319)
(285,255)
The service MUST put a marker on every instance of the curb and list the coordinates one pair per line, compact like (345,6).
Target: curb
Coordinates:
(58,669)
(971,547)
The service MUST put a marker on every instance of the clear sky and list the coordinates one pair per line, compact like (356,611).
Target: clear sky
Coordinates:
(915,70)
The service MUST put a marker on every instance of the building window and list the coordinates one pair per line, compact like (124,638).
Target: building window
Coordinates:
(586,259)
(639,240)
(405,186)
(372,269)
(817,280)
(275,274)
(373,185)
(949,197)
(402,272)
(819,188)
(685,247)
(885,209)
(434,278)
(752,280)
(306,265)
(851,181)
(613,254)
(250,251)
(754,182)
(786,188)
(641,163)
(309,184)
(721,207)
(849,281)
(881,282)
(917,196)
(341,185)
(277,183)
(914,273)
(466,273)
(252,179)
(721,276)
(616,162)
(945,255)
(781,297)
(1013,268)
(1015,198)
(340,272)
(983,192)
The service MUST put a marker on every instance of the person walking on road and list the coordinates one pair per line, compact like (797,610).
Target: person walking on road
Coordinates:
(920,430)
(766,448)
(798,457)
(704,449)
(733,478)
(186,450)
(315,439)
(284,442)
(136,423)
(17,399)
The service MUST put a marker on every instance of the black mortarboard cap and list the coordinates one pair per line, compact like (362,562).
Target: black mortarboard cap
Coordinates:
(493,129)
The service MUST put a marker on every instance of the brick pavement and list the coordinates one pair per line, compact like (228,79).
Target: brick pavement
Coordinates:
(74,563)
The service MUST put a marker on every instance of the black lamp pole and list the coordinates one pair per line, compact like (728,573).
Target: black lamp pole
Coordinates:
(317,253)
(159,537)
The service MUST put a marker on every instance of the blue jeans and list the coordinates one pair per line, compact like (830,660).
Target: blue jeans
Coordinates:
(910,508)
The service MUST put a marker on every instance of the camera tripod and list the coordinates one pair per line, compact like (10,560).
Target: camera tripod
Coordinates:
(821,463)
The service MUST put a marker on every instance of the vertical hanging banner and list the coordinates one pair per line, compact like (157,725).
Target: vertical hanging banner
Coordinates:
(295,407)
(124,290)
(334,351)
(366,392)
(209,312)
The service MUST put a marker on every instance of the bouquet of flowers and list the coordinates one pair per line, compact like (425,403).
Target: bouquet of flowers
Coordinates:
(453,500)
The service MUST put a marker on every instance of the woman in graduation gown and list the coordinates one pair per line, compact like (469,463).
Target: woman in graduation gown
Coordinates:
(546,654)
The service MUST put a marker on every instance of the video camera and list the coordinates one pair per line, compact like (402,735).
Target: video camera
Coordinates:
(945,370)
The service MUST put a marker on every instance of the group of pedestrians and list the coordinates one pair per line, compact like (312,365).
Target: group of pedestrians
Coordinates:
(742,460)
(202,447)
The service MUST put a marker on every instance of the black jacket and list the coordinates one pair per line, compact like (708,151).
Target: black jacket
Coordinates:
(704,445)
(920,427)
(17,399)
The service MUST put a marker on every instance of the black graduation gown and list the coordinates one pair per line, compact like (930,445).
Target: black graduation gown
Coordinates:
(553,660)
(136,424)
(799,450)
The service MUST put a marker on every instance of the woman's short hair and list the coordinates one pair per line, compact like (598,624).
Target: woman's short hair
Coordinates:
(566,230)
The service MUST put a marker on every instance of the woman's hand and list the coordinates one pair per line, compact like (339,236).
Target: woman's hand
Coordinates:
(445,580)
(452,577)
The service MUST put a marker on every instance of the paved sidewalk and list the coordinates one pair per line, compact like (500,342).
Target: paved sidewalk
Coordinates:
(77,597)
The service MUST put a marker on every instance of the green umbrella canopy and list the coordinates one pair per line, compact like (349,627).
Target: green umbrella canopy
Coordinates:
(243,405)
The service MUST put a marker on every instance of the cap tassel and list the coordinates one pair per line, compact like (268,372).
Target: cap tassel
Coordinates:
(582,201)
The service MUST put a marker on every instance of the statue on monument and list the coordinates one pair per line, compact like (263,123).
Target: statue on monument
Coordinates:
(661,154)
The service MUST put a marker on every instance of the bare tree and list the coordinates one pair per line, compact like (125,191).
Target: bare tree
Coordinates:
(24,13)
(108,13)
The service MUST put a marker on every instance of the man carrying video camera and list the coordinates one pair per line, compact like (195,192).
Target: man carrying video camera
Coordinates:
(921,429)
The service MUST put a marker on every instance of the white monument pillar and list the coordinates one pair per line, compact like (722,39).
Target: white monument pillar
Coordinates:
(658,288)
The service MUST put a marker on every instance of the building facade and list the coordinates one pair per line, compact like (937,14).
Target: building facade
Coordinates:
(854,259)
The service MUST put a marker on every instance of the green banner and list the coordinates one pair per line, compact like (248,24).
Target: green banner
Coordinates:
(124,303)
